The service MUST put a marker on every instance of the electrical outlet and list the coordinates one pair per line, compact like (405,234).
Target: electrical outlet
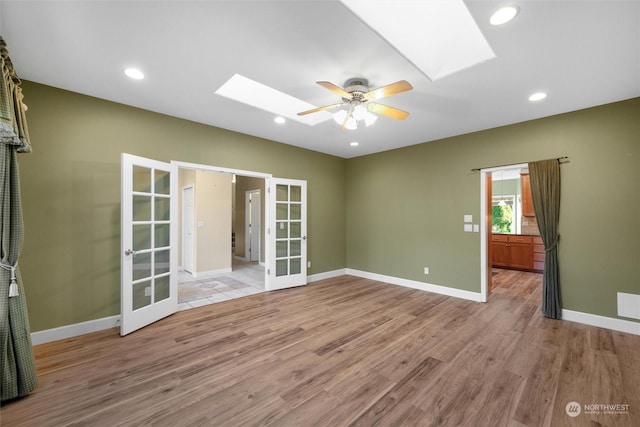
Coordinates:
(426,270)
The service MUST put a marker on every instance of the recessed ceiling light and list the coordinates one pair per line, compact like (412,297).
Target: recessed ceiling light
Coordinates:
(279,120)
(134,73)
(503,15)
(538,96)
(354,143)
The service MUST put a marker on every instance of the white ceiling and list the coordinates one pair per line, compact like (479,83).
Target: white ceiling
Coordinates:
(583,53)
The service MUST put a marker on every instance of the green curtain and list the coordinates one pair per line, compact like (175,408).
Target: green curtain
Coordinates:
(545,191)
(17,364)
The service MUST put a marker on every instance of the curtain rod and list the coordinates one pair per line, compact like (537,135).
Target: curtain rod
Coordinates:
(559,159)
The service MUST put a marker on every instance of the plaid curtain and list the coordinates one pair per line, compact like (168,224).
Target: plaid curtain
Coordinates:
(17,365)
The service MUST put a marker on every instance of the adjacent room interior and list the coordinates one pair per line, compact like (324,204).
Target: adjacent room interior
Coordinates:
(221,253)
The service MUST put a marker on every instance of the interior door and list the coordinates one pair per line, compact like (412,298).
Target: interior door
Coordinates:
(287,265)
(187,229)
(254,225)
(149,289)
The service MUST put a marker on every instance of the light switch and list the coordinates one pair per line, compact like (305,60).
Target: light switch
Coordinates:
(476,228)
(468,228)
(468,218)
(200,224)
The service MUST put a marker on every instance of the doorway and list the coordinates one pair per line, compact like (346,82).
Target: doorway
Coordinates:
(497,187)
(151,222)
(214,207)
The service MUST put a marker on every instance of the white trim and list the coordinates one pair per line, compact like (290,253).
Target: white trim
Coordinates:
(70,331)
(326,275)
(484,237)
(612,323)
(204,274)
(436,289)
(240,172)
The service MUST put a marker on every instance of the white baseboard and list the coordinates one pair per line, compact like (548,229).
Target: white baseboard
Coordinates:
(436,289)
(326,275)
(69,331)
(612,323)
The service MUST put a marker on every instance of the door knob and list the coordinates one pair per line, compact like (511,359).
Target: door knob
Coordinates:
(130,252)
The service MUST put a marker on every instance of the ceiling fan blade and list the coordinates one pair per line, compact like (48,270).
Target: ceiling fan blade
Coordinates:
(335,89)
(394,113)
(315,110)
(388,90)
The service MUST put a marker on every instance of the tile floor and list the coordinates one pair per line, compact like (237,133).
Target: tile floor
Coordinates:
(247,278)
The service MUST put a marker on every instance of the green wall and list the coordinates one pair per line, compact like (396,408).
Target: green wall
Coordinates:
(390,213)
(71,192)
(405,207)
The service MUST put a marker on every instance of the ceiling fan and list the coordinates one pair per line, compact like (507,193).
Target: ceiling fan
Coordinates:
(359,99)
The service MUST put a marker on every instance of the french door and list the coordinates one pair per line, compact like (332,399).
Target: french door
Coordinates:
(287,266)
(149,289)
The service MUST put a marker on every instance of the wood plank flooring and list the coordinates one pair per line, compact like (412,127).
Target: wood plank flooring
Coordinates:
(342,352)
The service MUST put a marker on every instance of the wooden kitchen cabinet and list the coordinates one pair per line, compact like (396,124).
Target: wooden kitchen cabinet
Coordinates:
(512,251)
(527,199)
(520,252)
(499,253)
(538,253)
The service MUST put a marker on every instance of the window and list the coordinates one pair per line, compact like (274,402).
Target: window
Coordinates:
(503,216)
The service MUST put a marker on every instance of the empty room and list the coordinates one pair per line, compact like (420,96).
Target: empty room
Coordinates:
(386,213)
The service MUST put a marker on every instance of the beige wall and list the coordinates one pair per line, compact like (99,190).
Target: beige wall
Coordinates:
(212,222)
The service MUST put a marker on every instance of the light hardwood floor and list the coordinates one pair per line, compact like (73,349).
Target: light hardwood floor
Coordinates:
(344,351)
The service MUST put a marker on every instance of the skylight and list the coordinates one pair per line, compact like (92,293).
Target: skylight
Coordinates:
(250,92)
(439,37)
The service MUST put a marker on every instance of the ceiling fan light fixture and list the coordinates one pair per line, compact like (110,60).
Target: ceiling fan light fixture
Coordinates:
(370,118)
(359,112)
(351,124)
(340,116)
